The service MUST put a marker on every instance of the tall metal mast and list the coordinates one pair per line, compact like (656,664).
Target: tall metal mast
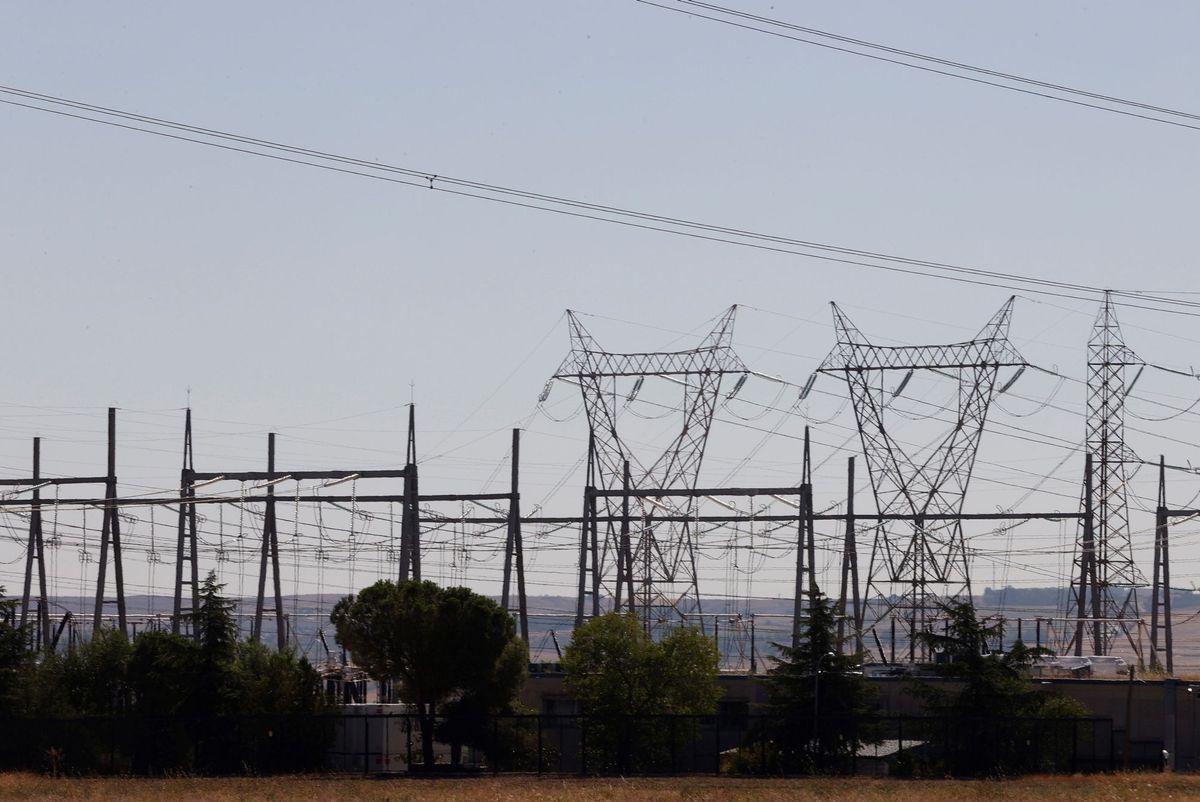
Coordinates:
(1114,591)
(916,566)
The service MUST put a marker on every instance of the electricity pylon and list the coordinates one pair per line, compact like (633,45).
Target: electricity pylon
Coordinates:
(917,565)
(1104,581)
(653,549)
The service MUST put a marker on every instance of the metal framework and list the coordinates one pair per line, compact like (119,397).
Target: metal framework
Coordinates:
(35,599)
(1160,598)
(661,547)
(615,509)
(410,548)
(914,569)
(1105,579)
(35,550)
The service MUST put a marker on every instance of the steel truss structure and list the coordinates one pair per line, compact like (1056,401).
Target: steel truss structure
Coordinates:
(263,492)
(639,528)
(914,569)
(661,546)
(1105,579)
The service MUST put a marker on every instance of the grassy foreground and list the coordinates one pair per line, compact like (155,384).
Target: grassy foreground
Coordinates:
(1106,787)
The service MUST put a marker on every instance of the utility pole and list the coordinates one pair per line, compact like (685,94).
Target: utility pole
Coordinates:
(850,568)
(1160,604)
(36,553)
(585,530)
(809,522)
(805,546)
(798,586)
(185,546)
(625,552)
(270,555)
(513,546)
(410,514)
(110,536)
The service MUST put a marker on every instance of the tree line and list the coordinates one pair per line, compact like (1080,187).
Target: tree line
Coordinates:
(457,658)
(211,703)
(161,702)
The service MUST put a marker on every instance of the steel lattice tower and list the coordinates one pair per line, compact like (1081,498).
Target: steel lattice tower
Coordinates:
(1112,577)
(655,558)
(915,566)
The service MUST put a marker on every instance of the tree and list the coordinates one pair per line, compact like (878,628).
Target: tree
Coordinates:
(163,673)
(438,644)
(817,698)
(275,682)
(205,704)
(96,673)
(14,649)
(622,679)
(213,620)
(467,717)
(996,711)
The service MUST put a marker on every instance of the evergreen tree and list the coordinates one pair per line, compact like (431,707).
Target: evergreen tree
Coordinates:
(439,645)
(14,650)
(216,631)
(818,698)
(994,713)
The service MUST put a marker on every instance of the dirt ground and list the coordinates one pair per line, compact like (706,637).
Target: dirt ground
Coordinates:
(324,788)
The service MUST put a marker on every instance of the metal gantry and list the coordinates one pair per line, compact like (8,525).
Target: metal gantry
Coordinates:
(642,514)
(1105,578)
(35,599)
(914,569)
(648,565)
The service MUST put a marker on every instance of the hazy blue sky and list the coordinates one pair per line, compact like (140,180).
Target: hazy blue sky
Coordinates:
(136,267)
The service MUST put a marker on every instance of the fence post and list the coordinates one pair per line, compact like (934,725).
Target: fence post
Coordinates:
(539,744)
(583,746)
(716,744)
(1074,746)
(623,747)
(947,749)
(366,744)
(855,744)
(1037,744)
(408,742)
(762,748)
(671,736)
(495,745)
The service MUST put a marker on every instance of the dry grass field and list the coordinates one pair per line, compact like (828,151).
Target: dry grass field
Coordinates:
(1044,789)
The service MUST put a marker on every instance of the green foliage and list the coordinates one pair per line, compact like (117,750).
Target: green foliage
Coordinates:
(614,669)
(213,622)
(275,682)
(467,722)
(992,684)
(163,701)
(620,677)
(995,713)
(163,674)
(440,646)
(14,646)
(817,698)
(95,674)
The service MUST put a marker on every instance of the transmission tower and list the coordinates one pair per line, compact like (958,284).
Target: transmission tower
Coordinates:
(1104,580)
(920,560)
(653,549)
